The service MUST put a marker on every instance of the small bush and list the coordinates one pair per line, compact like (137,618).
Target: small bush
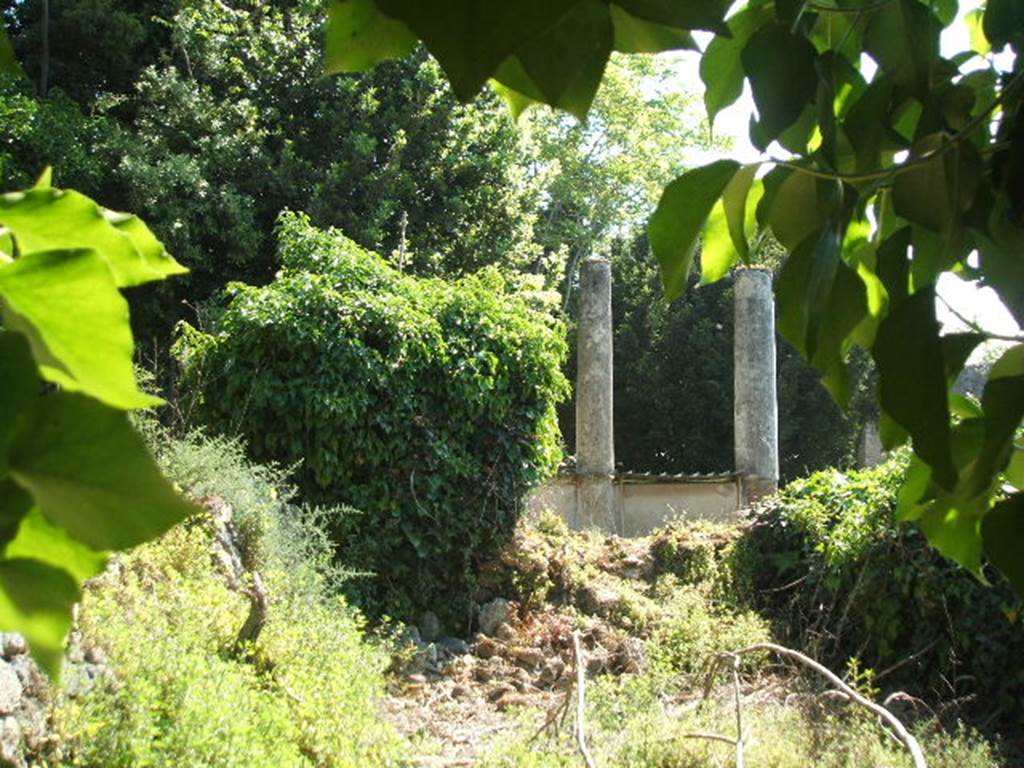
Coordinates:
(165,620)
(426,404)
(840,578)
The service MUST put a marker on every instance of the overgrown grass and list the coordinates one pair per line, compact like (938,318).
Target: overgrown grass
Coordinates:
(305,694)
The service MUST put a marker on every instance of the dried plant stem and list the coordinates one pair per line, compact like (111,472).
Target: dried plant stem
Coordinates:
(581,681)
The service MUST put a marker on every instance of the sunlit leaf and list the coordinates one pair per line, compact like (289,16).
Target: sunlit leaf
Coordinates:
(359,36)
(91,474)
(47,219)
(681,214)
(720,67)
(35,601)
(38,539)
(635,35)
(60,298)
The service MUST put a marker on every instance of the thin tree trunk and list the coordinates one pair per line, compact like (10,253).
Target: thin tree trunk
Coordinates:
(44,63)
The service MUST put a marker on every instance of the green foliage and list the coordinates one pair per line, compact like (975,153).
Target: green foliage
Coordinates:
(76,480)
(217,117)
(841,578)
(895,180)
(163,617)
(695,629)
(427,405)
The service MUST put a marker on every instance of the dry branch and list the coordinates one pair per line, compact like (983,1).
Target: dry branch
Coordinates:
(893,722)
(581,681)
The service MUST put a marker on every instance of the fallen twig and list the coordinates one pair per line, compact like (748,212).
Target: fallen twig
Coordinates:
(902,733)
(581,681)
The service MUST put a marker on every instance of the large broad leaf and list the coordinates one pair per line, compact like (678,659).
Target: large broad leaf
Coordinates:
(46,219)
(1003,404)
(720,67)
(866,124)
(21,387)
(1002,531)
(636,35)
(725,240)
(15,503)
(470,38)
(36,601)
(1003,22)
(677,223)
(799,207)
(693,14)
(67,304)
(91,474)
(566,62)
(359,36)
(912,381)
(903,37)
(38,539)
(935,191)
(780,67)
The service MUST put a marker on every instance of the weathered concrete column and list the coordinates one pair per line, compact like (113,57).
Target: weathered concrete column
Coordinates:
(755,405)
(595,451)
(871,452)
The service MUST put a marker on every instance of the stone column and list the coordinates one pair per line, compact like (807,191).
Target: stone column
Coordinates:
(755,405)
(595,451)
(872,453)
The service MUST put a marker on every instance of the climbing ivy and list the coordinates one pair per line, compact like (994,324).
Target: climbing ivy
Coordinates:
(899,164)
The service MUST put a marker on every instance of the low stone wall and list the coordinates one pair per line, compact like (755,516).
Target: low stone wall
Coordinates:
(645,502)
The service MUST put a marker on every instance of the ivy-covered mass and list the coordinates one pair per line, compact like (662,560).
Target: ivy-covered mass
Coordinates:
(427,405)
(887,164)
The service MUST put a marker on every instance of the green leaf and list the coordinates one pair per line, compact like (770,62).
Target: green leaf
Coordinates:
(21,386)
(956,348)
(566,62)
(955,531)
(800,207)
(935,192)
(903,37)
(725,240)
(1002,531)
(912,381)
(8,61)
(69,307)
(36,601)
(635,35)
(720,67)
(1003,404)
(694,14)
(470,38)
(780,67)
(359,36)
(15,503)
(866,123)
(91,474)
(679,218)
(915,484)
(1014,472)
(1003,22)
(979,42)
(47,219)
(38,539)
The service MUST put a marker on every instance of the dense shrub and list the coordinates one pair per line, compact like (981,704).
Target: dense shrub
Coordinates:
(841,578)
(164,619)
(428,405)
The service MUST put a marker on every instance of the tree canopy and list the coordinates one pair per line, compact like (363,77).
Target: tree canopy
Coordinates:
(898,164)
